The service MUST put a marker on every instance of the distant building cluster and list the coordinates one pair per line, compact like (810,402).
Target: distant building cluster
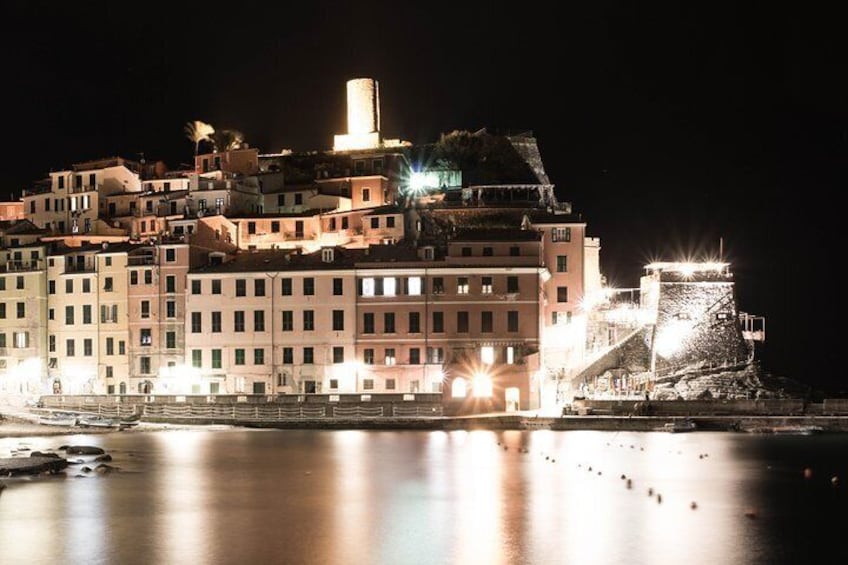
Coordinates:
(376,267)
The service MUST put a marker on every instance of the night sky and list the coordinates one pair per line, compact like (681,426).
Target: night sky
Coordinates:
(668,129)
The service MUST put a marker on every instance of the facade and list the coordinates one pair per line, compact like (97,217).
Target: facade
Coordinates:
(348,271)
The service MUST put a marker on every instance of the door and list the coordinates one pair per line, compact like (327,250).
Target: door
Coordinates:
(512,397)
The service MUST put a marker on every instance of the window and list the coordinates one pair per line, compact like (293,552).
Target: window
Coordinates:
(238,321)
(390,222)
(327,255)
(86,313)
(86,285)
(298,198)
(288,355)
(390,356)
(146,337)
(69,348)
(486,321)
(195,287)
(133,277)
(514,251)
(258,356)
(338,354)
(21,308)
(241,287)
(21,339)
(51,286)
(275,226)
(109,375)
(338,320)
(438,322)
(367,384)
(368,356)
(51,313)
(512,321)
(110,345)
(196,322)
(512,284)
(487,354)
(251,228)
(69,286)
(239,356)
(259,320)
(561,234)
(462,285)
(414,322)
(413,286)
(196,358)
(389,322)
(259,287)
(414,356)
(288,321)
(170,255)
(148,276)
(87,347)
(170,308)
(3,311)
(438,285)
(488,252)
(308,320)
(435,355)
(69,315)
(510,355)
(286,285)
(145,308)
(338,287)
(170,340)
(122,347)
(562,263)
(466,252)
(368,286)
(308,355)
(375,223)
(345,222)
(462,322)
(334,384)
(366,195)
(308,286)
(368,323)
(298,225)
(216,359)
(144,365)
(562,294)
(216,286)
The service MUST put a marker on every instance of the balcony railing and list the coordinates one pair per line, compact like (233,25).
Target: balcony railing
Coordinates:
(18,266)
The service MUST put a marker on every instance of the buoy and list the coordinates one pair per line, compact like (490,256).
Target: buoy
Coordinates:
(599,473)
(659,499)
(623,477)
(693,505)
(808,473)
(650,492)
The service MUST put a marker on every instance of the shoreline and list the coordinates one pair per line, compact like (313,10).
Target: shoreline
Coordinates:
(17,426)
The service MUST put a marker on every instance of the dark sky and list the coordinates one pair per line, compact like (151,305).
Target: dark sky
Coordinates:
(667,128)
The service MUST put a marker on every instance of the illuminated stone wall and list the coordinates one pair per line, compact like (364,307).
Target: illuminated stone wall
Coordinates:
(697,322)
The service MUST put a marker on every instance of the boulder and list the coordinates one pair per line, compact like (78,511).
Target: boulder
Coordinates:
(84,450)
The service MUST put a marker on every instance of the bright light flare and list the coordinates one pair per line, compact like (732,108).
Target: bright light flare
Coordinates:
(482,385)
(673,337)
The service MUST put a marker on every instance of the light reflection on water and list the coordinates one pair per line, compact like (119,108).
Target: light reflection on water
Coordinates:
(466,497)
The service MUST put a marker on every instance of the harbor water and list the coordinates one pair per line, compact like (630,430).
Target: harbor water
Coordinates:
(431,497)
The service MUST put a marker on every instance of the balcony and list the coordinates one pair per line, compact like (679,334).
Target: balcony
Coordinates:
(141,260)
(19,266)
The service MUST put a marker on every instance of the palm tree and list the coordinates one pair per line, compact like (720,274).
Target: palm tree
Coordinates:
(228,139)
(198,131)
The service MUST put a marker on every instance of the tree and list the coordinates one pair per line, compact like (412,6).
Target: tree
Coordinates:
(198,131)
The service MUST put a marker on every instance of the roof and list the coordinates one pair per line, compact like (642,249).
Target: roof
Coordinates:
(495,234)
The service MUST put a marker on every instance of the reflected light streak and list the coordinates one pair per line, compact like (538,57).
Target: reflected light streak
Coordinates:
(477,474)
(182,524)
(352,511)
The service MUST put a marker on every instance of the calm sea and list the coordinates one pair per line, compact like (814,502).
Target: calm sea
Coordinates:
(409,497)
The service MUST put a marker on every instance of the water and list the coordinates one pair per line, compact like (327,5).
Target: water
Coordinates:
(408,497)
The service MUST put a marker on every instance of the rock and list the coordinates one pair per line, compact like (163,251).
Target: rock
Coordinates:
(103,468)
(86,469)
(84,450)
(105,457)
(44,454)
